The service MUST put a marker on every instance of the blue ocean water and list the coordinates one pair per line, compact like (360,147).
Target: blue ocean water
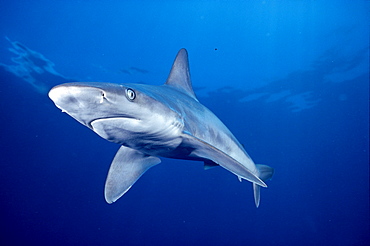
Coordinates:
(289,78)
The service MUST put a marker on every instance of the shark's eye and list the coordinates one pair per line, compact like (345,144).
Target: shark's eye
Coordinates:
(130,94)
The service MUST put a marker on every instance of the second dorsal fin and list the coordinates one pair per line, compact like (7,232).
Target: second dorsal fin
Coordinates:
(180,75)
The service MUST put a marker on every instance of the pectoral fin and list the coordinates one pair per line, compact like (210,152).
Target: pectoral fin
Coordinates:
(127,167)
(207,151)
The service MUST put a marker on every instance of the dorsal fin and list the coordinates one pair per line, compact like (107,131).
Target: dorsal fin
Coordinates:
(180,75)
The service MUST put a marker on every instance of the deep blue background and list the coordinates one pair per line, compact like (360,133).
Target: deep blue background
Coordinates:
(289,78)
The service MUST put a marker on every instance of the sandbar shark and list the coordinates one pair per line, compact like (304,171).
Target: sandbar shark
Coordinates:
(149,122)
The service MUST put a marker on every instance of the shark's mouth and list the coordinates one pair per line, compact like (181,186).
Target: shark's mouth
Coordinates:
(110,119)
(115,129)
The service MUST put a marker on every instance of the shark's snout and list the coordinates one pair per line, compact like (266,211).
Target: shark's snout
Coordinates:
(56,93)
(72,96)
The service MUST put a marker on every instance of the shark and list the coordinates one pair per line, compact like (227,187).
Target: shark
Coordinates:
(150,122)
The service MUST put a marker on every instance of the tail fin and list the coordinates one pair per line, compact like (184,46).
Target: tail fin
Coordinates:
(265,173)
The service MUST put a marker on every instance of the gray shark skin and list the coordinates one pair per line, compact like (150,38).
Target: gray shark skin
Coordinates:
(156,121)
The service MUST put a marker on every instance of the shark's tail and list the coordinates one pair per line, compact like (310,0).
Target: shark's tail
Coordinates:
(265,173)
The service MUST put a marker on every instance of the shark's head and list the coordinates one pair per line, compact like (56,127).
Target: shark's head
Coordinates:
(123,114)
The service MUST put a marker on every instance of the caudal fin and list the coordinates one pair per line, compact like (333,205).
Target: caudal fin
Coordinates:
(265,173)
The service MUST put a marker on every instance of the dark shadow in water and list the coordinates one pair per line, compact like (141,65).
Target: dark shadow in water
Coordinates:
(302,90)
(33,68)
